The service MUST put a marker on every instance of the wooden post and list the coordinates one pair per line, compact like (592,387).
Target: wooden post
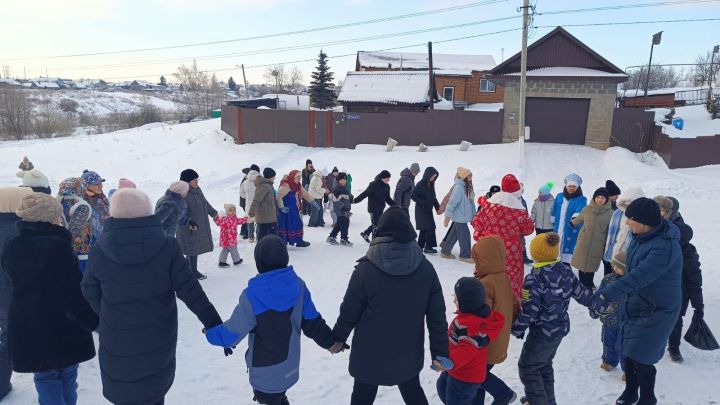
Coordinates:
(431,90)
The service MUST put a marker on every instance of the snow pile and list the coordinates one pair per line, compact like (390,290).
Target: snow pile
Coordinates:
(485,107)
(564,71)
(386,87)
(107,102)
(291,101)
(154,155)
(697,122)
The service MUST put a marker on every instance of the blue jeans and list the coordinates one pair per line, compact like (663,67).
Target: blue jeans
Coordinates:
(459,233)
(612,347)
(83,264)
(456,392)
(57,387)
(493,385)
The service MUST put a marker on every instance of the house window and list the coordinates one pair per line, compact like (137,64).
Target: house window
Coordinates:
(449,93)
(486,86)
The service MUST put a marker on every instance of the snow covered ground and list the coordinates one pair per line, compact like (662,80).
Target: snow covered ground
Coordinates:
(106,102)
(154,155)
(697,122)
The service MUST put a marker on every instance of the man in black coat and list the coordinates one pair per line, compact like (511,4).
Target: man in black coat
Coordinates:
(392,293)
(50,324)
(134,273)
(378,194)
(425,200)
(404,187)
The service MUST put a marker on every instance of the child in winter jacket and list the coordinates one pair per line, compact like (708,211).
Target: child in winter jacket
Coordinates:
(541,212)
(470,332)
(228,235)
(545,301)
(342,204)
(610,317)
(76,212)
(274,308)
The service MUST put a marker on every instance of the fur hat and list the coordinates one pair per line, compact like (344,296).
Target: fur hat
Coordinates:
(91,178)
(573,179)
(510,184)
(602,191)
(463,173)
(395,223)
(189,175)
(271,254)
(415,168)
(255,167)
(11,197)
(612,188)
(269,173)
(619,260)
(130,203)
(644,211)
(26,164)
(34,178)
(126,183)
(179,187)
(229,207)
(630,195)
(470,294)
(545,247)
(341,176)
(546,188)
(664,203)
(675,208)
(39,207)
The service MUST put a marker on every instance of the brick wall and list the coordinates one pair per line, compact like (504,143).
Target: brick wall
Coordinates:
(474,95)
(600,115)
(458,83)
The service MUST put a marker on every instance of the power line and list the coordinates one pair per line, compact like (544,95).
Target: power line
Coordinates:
(631,22)
(627,6)
(279,34)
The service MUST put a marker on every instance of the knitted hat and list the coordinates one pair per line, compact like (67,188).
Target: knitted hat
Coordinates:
(255,167)
(39,207)
(630,195)
(602,191)
(644,211)
(546,188)
(11,197)
(91,178)
(612,188)
(620,260)
(126,183)
(189,175)
(33,178)
(130,203)
(308,162)
(179,187)
(573,179)
(341,176)
(395,223)
(463,173)
(71,186)
(229,207)
(415,168)
(26,164)
(335,170)
(470,294)
(384,175)
(269,173)
(545,247)
(510,184)
(246,170)
(675,209)
(271,254)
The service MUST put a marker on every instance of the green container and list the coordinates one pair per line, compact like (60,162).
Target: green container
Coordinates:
(216,114)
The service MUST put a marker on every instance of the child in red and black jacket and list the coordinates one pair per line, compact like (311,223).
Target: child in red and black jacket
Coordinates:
(470,332)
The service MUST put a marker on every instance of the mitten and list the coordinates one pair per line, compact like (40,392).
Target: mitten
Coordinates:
(228,351)
(285,210)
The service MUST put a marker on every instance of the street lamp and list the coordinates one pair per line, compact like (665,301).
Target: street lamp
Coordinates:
(655,41)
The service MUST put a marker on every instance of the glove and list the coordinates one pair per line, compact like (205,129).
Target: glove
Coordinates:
(338,347)
(228,351)
(315,205)
(700,313)
(285,210)
(348,214)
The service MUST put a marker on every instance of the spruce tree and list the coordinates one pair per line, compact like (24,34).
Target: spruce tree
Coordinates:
(322,89)
(163,81)
(231,84)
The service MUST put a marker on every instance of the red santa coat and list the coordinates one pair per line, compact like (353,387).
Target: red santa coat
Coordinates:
(228,229)
(503,215)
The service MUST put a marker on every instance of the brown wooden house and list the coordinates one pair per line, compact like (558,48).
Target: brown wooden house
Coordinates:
(386,91)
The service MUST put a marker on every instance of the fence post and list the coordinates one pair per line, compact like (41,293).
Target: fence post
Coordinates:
(329,129)
(311,129)
(239,124)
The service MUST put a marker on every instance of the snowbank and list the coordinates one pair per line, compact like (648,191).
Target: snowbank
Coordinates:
(107,102)
(698,122)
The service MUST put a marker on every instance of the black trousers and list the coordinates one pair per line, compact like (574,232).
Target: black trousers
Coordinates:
(341,226)
(674,341)
(587,279)
(271,399)
(192,261)
(539,231)
(607,268)
(427,239)
(374,219)
(639,376)
(411,392)
(267,229)
(536,368)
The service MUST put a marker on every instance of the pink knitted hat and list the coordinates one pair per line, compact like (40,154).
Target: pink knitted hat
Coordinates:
(126,183)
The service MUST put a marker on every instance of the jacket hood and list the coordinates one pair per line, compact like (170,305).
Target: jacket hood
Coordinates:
(489,256)
(132,241)
(43,228)
(599,209)
(630,195)
(407,173)
(252,175)
(276,289)
(394,258)
(429,172)
(262,180)
(474,323)
(665,230)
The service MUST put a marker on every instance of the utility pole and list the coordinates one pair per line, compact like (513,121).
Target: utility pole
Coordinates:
(712,59)
(523,70)
(242,66)
(432,77)
(655,41)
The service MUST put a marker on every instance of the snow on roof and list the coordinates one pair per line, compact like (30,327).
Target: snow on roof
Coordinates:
(10,82)
(450,72)
(291,101)
(414,60)
(630,93)
(47,85)
(568,71)
(485,107)
(386,87)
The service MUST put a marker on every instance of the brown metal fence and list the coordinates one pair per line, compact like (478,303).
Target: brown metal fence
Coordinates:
(347,130)
(634,129)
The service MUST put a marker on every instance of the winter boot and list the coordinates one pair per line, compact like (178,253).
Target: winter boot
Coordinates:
(468,260)
(303,244)
(238,262)
(223,265)
(505,402)
(200,276)
(430,251)
(365,237)
(448,256)
(675,355)
(625,401)
(606,367)
(331,240)
(346,242)
(524,401)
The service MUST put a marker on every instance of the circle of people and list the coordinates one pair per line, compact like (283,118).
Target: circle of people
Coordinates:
(81,262)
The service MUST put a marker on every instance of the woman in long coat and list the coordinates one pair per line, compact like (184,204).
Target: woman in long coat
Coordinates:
(591,241)
(568,205)
(425,200)
(290,224)
(197,239)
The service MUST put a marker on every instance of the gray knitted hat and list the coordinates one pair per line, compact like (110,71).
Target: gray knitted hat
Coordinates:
(39,207)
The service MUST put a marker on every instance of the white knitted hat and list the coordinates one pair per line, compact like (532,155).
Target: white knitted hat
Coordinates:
(130,203)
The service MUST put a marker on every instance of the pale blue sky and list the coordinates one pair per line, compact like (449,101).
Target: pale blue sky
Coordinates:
(32,28)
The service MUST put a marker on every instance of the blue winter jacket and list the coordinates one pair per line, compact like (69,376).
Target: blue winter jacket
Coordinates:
(546,298)
(612,234)
(460,208)
(612,313)
(273,309)
(570,233)
(652,292)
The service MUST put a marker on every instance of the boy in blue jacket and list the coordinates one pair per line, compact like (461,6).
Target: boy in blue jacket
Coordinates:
(545,301)
(273,310)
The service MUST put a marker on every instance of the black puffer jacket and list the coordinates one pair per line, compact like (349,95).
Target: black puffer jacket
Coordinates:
(50,322)
(691,274)
(404,188)
(378,194)
(133,275)
(393,292)
(425,200)
(7,231)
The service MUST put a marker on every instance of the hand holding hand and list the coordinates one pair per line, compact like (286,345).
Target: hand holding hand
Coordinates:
(338,347)
(437,366)
(446,222)
(228,351)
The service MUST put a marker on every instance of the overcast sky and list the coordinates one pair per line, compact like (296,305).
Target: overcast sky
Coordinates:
(32,32)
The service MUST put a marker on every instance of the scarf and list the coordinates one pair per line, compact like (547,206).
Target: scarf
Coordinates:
(290,181)
(100,213)
(569,196)
(544,197)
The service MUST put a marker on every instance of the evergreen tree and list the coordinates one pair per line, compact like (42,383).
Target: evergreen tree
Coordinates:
(322,89)
(163,81)
(231,84)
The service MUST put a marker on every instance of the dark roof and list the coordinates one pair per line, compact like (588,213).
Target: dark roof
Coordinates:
(557,48)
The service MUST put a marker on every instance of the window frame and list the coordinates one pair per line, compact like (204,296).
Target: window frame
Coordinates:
(494,86)
(453,92)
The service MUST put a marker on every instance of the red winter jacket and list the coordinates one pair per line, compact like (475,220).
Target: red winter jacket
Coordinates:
(469,336)
(228,229)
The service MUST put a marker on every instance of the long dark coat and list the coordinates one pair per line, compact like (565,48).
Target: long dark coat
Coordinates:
(199,210)
(425,200)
